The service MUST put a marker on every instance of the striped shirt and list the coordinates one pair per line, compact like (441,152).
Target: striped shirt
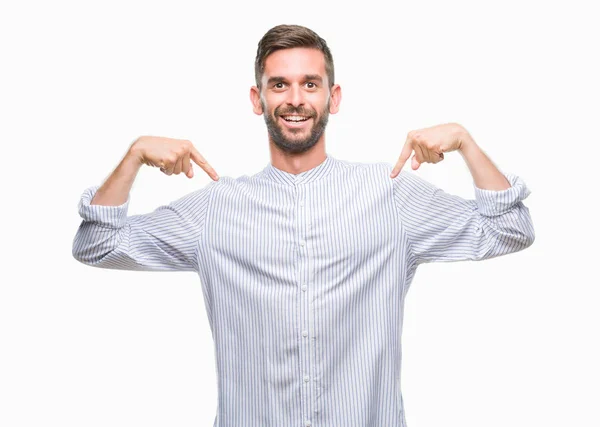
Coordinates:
(304,278)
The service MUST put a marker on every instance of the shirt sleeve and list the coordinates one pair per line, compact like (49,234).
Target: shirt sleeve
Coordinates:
(446,227)
(163,240)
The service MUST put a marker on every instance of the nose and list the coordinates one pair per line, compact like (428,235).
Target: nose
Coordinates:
(295,96)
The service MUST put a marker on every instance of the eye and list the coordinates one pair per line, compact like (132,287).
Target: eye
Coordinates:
(312,83)
(277,85)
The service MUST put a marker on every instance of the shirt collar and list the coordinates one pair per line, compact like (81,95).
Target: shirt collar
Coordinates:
(310,175)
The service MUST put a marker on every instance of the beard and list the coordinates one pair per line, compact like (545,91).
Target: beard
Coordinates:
(291,140)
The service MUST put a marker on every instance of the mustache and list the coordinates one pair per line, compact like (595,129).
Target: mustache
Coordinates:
(296,112)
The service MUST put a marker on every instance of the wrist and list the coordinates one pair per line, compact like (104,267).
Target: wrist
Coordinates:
(466,142)
(134,155)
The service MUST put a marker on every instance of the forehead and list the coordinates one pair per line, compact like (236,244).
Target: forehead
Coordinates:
(295,63)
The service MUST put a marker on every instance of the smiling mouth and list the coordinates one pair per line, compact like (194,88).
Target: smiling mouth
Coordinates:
(295,121)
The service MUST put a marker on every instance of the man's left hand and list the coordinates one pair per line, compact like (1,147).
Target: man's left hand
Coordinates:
(429,145)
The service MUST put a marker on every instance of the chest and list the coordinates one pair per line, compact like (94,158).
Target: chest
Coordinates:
(272,233)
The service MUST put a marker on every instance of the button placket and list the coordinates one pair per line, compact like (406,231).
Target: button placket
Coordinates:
(304,302)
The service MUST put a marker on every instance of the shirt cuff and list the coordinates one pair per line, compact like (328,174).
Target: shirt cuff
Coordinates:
(108,216)
(498,202)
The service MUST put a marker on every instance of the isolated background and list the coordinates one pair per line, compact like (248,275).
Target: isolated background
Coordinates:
(508,341)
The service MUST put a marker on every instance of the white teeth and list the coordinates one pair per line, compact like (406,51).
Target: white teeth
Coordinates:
(295,118)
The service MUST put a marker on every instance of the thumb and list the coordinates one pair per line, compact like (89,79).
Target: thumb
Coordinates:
(415,163)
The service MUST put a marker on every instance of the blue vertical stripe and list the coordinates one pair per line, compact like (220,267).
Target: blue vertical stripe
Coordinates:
(304,278)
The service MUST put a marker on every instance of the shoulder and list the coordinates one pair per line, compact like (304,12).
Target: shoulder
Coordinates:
(374,170)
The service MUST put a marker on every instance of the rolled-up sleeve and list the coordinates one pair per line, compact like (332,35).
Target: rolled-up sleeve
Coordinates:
(163,240)
(446,227)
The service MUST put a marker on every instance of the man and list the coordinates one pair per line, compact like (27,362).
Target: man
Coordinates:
(305,265)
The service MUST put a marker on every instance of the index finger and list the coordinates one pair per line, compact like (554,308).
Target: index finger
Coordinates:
(201,161)
(404,155)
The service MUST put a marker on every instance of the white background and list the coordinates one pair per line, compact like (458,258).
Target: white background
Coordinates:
(511,341)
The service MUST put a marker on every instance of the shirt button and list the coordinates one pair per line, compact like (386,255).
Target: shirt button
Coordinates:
(307,424)
(306,378)
(303,288)
(301,243)
(301,204)
(304,333)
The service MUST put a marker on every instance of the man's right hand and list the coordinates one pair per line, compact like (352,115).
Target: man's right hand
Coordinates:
(172,156)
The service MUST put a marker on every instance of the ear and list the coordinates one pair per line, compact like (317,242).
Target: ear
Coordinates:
(336,98)
(255,99)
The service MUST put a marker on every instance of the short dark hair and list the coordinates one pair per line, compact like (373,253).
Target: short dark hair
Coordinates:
(287,37)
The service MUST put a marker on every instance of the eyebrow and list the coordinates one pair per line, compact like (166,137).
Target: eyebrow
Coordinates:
(279,79)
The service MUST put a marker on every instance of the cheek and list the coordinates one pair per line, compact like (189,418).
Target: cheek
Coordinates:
(272,108)
(321,104)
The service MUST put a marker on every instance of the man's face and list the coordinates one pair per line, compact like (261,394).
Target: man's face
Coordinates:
(295,98)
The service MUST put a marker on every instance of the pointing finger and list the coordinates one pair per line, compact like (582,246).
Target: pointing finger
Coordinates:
(404,155)
(201,161)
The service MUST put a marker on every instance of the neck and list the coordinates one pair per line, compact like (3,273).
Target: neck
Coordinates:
(300,162)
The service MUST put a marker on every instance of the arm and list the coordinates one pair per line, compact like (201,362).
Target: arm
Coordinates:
(445,227)
(115,190)
(485,174)
(163,240)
